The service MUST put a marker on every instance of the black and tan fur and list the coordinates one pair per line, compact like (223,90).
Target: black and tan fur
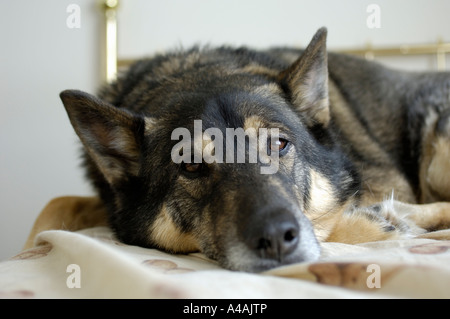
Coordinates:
(363,149)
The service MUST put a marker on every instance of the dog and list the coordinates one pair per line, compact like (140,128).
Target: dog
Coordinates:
(360,152)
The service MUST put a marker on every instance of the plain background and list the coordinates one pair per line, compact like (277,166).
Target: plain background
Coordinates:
(40,56)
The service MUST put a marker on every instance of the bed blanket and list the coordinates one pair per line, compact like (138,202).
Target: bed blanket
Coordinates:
(92,263)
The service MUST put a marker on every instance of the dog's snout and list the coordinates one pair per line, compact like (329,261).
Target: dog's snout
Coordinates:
(275,235)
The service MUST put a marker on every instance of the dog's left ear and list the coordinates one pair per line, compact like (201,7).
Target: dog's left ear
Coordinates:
(109,134)
(306,81)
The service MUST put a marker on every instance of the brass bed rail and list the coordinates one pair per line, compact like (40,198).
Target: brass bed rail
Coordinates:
(112,62)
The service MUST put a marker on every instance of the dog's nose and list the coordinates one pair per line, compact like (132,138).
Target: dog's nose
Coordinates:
(275,235)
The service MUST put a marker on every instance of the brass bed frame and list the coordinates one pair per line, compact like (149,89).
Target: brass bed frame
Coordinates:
(112,62)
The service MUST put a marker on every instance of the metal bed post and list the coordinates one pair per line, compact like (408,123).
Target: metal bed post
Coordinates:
(110,10)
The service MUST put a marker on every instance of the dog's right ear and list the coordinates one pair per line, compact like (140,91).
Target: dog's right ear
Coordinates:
(306,81)
(109,134)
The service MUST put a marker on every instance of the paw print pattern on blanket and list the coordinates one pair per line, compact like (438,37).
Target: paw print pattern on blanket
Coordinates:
(430,249)
(34,253)
(348,275)
(165,266)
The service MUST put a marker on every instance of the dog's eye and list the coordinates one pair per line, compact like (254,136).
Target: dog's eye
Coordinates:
(279,145)
(194,170)
(192,167)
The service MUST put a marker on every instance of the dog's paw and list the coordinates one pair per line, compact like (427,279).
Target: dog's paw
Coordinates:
(382,221)
(391,217)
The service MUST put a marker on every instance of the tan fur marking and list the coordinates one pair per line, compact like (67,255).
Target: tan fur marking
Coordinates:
(254,122)
(167,236)
(321,194)
(365,230)
(323,211)
(428,151)
(149,123)
(438,173)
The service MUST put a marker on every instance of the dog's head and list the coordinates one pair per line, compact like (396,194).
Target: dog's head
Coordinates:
(201,152)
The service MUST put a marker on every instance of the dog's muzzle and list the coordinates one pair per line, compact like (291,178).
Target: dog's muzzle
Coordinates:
(275,236)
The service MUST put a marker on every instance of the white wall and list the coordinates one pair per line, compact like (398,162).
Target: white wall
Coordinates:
(40,56)
(146,27)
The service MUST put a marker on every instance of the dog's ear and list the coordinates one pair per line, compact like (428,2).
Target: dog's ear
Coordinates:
(109,134)
(306,81)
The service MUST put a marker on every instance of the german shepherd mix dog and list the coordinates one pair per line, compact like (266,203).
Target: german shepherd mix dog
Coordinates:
(362,152)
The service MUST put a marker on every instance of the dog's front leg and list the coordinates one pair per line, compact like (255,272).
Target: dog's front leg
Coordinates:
(389,219)
(365,225)
(434,216)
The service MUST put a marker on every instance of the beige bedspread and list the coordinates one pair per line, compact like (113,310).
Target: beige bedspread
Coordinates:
(91,263)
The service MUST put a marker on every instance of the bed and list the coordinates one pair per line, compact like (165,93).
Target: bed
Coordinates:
(72,253)
(77,256)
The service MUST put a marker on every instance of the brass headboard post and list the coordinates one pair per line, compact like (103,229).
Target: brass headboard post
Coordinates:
(110,10)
